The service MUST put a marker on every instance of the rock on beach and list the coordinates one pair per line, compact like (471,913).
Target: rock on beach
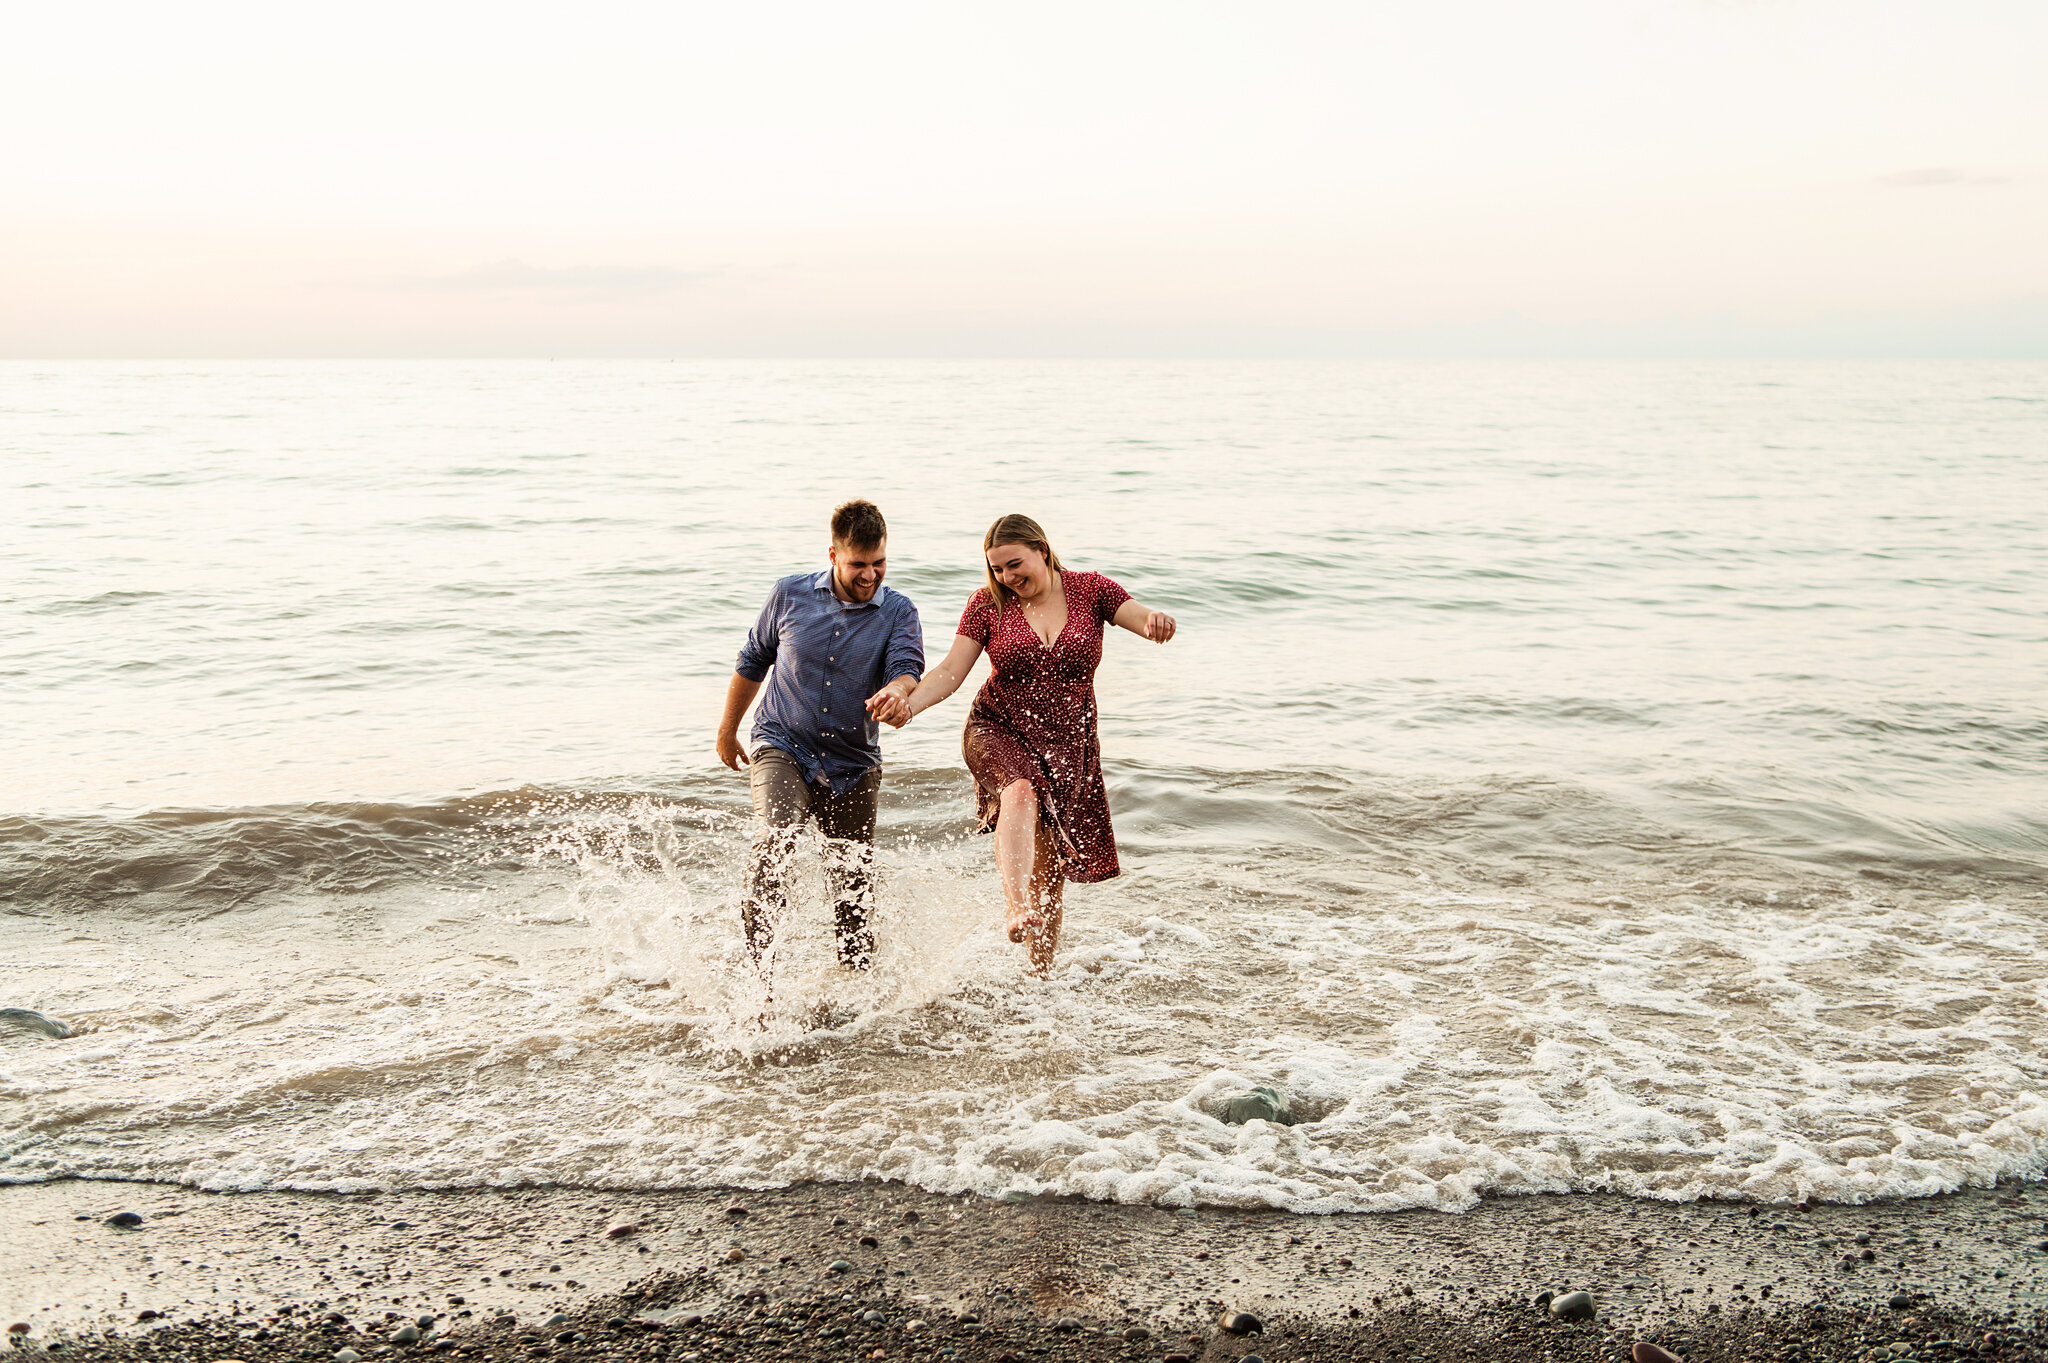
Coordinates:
(1573,1306)
(29,1020)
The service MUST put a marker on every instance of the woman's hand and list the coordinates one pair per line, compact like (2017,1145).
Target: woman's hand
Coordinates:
(1145,622)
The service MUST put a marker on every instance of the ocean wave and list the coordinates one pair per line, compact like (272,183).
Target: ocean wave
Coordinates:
(1479,830)
(218,858)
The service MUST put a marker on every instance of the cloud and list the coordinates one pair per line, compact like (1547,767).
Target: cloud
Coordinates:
(1935,177)
(589,281)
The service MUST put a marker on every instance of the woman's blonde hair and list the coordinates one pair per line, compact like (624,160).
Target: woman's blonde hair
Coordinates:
(1014,529)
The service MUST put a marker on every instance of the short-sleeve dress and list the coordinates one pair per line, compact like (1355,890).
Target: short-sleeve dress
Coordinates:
(1034,720)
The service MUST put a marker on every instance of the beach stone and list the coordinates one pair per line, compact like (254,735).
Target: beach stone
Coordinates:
(124,1219)
(1251,1358)
(347,1356)
(872,1318)
(1900,1302)
(1136,1333)
(1573,1306)
(839,1266)
(619,1230)
(1263,1103)
(911,1327)
(1542,1302)
(406,1334)
(735,1255)
(20,1327)
(911,1217)
(869,1242)
(617,1323)
(425,1322)
(1067,1325)
(1646,1352)
(552,1321)
(1240,1323)
(1863,1237)
(735,1210)
(1176,1358)
(149,1315)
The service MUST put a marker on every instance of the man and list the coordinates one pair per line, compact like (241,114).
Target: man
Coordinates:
(832,646)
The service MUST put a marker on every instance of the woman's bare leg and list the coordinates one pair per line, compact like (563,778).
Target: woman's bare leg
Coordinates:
(1016,834)
(1046,887)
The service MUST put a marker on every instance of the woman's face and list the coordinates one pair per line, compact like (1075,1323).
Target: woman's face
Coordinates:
(1021,568)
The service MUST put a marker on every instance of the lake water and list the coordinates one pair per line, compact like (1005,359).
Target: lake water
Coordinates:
(1567,776)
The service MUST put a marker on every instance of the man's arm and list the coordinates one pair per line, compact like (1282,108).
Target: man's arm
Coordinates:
(757,655)
(905,662)
(738,696)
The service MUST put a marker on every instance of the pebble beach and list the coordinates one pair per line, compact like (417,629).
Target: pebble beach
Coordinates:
(866,1271)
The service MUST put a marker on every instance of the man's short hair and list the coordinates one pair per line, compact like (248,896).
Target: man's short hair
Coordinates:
(859,524)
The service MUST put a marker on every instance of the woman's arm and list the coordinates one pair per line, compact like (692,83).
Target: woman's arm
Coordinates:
(939,683)
(1144,622)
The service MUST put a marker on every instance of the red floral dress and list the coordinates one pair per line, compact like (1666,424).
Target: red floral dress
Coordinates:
(1034,720)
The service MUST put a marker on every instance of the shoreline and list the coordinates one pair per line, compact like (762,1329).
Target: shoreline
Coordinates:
(278,1261)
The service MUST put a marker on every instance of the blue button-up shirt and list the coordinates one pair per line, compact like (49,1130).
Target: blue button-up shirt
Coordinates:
(823,658)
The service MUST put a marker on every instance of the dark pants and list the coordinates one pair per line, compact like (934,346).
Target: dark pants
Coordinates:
(783,801)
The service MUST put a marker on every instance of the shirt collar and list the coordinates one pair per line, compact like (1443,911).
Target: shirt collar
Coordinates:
(821,581)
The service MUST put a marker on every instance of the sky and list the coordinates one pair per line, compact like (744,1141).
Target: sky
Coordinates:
(1459,177)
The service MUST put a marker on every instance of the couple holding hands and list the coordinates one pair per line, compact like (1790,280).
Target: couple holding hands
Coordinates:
(840,654)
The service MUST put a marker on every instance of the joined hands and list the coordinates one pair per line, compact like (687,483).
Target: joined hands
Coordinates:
(887,706)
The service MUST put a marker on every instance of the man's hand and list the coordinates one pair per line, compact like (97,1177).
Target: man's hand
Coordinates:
(738,696)
(891,704)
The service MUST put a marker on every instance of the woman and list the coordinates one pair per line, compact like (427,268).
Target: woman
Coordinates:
(1030,738)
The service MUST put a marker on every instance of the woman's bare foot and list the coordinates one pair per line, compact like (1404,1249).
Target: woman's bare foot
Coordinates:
(1023,922)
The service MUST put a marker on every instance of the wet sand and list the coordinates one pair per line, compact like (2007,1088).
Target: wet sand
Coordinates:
(773,1273)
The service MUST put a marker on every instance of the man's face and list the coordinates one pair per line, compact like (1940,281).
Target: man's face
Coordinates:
(856,573)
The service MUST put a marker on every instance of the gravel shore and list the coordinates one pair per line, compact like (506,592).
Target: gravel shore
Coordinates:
(869,1271)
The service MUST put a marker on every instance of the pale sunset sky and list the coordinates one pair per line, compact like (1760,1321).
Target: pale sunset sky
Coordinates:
(1668,177)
